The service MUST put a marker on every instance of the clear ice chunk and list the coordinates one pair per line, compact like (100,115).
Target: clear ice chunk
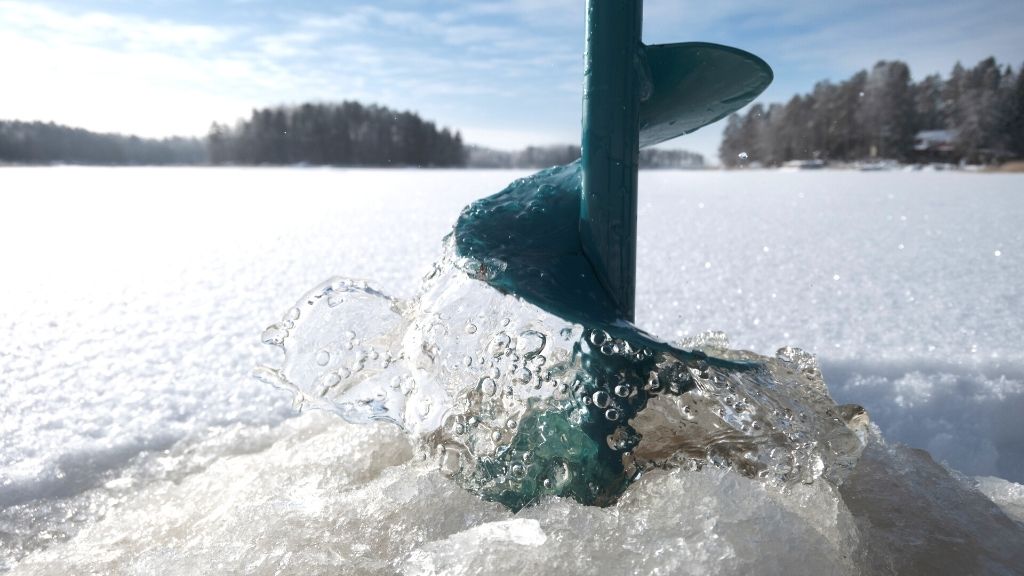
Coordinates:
(515,403)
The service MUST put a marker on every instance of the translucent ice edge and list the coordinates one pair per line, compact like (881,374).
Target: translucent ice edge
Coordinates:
(327,497)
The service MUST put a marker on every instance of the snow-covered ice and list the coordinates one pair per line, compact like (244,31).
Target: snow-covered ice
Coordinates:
(134,439)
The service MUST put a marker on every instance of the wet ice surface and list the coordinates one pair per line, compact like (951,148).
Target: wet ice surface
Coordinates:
(134,440)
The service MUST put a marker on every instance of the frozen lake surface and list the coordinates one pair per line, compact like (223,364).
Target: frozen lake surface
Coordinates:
(134,300)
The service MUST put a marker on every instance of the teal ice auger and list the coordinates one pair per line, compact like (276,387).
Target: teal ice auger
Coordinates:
(635,96)
(565,238)
(566,398)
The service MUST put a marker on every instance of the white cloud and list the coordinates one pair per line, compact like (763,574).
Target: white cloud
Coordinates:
(118,73)
(496,69)
(98,28)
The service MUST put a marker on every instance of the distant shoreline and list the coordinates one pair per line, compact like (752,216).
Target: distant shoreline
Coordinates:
(1008,168)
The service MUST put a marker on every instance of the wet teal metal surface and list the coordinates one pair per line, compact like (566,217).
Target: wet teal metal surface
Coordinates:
(533,226)
(694,84)
(613,83)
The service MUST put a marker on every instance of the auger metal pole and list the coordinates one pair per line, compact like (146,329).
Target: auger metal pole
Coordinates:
(611,116)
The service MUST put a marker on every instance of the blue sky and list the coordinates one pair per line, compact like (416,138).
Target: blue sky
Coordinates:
(505,73)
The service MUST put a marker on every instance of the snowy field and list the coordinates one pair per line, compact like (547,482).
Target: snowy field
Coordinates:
(133,438)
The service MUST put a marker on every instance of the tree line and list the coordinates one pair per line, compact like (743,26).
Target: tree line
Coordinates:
(546,156)
(878,113)
(48,143)
(345,134)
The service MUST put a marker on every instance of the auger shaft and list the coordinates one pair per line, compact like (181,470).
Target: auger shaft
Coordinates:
(612,85)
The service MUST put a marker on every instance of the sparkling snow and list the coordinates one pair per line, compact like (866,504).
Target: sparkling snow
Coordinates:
(133,438)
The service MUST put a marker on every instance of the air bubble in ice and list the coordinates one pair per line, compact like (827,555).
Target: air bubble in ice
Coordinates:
(530,344)
(330,380)
(274,335)
(451,463)
(499,344)
(523,375)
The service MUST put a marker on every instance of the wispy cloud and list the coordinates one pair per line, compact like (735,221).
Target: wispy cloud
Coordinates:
(126,33)
(156,77)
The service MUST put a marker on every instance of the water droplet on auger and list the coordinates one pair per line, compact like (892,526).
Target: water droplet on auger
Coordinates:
(323,357)
(488,387)
(611,414)
(601,399)
(292,314)
(622,390)
(470,328)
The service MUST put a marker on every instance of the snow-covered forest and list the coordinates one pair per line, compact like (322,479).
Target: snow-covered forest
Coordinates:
(342,134)
(879,113)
